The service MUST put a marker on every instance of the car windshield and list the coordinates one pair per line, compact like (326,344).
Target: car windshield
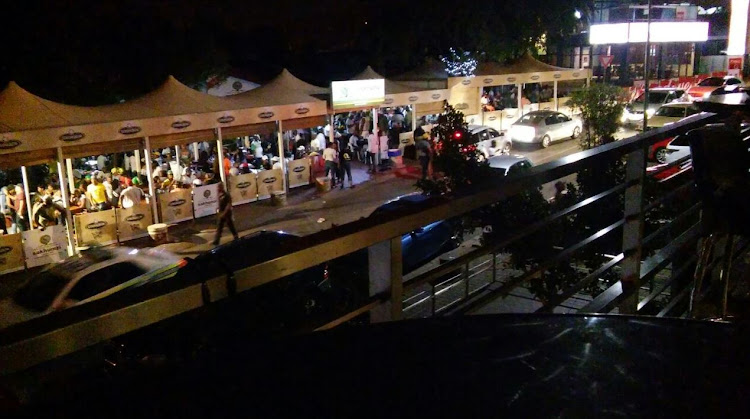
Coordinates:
(712,82)
(671,111)
(653,97)
(530,119)
(38,294)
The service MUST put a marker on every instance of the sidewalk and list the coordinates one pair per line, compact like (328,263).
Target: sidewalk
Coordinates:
(304,206)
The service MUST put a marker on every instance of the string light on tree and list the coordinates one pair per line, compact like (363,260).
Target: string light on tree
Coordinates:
(459,63)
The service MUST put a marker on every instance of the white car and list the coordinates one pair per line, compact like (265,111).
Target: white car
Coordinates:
(670,113)
(88,276)
(544,127)
(658,96)
(510,165)
(489,141)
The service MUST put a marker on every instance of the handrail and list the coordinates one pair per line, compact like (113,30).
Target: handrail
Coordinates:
(74,329)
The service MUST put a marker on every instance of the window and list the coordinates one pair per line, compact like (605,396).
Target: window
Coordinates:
(519,167)
(733,81)
(562,118)
(484,136)
(39,293)
(691,111)
(551,120)
(104,279)
(680,141)
(712,82)
(493,133)
(671,111)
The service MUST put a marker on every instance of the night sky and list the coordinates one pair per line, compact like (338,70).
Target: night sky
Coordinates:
(89,53)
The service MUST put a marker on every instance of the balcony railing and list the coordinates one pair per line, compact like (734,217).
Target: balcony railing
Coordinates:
(464,284)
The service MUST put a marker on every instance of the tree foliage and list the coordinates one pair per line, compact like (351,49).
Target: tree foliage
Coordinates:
(454,159)
(601,106)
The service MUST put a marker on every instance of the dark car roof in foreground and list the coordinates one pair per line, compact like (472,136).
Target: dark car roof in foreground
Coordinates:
(472,366)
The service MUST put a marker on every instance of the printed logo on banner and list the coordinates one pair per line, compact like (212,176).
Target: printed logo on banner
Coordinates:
(8,143)
(45,239)
(71,136)
(436,96)
(181,124)
(405,141)
(487,81)
(299,169)
(492,118)
(5,249)
(413,98)
(243,185)
(265,115)
(96,225)
(301,111)
(269,180)
(576,74)
(225,119)
(388,100)
(466,82)
(134,217)
(511,79)
(206,193)
(535,77)
(130,130)
(557,75)
(176,202)
(462,106)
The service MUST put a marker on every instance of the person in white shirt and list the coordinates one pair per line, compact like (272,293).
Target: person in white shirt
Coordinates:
(331,157)
(372,152)
(383,143)
(101,161)
(131,196)
(319,143)
(276,162)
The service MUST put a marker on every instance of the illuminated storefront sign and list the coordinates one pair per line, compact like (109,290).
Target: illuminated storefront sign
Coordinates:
(621,33)
(355,93)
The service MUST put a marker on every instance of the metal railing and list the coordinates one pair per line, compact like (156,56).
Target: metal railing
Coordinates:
(43,339)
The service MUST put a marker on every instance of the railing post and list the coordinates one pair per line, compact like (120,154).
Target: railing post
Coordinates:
(632,231)
(385,273)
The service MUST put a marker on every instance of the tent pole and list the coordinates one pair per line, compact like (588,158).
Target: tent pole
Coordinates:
(481,108)
(376,131)
(519,89)
(413,117)
(26,193)
(196,154)
(66,200)
(151,189)
(282,158)
(220,156)
(71,179)
(554,94)
(137,167)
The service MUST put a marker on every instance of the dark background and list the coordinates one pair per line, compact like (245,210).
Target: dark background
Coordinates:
(90,53)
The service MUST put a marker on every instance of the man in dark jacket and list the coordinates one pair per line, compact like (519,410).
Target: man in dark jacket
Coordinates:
(224,215)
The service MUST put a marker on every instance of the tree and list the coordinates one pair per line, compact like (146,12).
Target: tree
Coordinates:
(454,159)
(601,106)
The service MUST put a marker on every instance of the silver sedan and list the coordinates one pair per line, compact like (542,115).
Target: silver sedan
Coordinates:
(544,127)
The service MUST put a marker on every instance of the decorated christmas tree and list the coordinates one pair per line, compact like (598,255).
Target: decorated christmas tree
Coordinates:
(455,165)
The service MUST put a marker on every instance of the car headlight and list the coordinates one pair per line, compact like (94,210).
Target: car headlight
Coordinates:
(624,116)
(706,95)
(650,112)
(522,132)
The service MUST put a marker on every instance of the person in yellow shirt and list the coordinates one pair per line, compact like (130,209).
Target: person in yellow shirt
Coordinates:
(98,194)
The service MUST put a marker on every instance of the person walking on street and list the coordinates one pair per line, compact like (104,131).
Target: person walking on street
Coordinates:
(372,152)
(224,216)
(423,150)
(331,156)
(345,165)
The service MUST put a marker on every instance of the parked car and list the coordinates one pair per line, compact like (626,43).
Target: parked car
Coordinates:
(510,165)
(658,96)
(544,127)
(677,149)
(91,275)
(670,113)
(658,151)
(426,243)
(489,142)
(703,89)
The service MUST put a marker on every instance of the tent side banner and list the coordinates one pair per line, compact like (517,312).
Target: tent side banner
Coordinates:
(11,253)
(45,246)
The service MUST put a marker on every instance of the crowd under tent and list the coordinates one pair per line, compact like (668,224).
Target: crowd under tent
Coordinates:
(34,130)
(466,92)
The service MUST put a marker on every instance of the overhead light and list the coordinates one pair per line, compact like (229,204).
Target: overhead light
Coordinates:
(577,14)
